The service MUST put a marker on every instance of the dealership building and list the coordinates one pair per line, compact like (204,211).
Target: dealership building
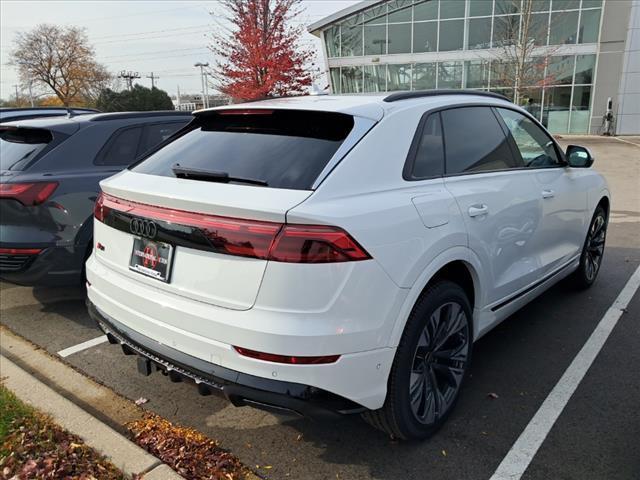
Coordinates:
(588,51)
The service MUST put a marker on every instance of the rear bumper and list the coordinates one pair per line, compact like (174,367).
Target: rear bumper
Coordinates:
(239,388)
(53,266)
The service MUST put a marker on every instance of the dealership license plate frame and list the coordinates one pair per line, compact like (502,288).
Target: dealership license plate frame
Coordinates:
(136,261)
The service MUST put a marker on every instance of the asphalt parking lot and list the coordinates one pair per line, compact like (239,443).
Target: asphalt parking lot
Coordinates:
(519,363)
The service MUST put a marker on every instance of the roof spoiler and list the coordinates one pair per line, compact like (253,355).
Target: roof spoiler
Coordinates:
(395,97)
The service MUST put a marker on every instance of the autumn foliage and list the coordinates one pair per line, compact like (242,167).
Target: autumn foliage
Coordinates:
(60,60)
(187,451)
(262,57)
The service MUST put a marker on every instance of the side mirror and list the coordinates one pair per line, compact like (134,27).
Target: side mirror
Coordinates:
(579,157)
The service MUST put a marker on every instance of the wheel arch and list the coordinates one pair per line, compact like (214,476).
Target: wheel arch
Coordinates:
(459,265)
(605,203)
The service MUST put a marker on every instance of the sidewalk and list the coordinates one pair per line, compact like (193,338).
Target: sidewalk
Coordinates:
(123,453)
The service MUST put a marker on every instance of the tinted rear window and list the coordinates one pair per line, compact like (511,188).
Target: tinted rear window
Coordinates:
(19,147)
(284,148)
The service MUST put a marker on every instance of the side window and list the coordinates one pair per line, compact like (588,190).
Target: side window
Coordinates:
(475,141)
(429,155)
(121,148)
(157,133)
(535,147)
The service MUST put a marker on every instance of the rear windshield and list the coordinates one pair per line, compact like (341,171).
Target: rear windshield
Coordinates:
(20,146)
(279,148)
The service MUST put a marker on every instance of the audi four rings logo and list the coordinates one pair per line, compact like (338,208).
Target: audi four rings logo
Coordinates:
(144,228)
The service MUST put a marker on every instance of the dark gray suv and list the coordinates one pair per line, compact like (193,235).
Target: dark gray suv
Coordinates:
(49,174)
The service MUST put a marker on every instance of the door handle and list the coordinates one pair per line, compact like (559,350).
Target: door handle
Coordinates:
(548,194)
(478,210)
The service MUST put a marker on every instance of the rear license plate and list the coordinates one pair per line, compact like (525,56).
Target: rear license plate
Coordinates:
(151,258)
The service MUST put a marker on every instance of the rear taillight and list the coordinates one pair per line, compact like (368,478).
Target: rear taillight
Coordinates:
(28,194)
(293,360)
(250,238)
(99,209)
(20,251)
(315,244)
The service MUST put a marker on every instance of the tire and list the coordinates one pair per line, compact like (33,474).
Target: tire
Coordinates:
(428,356)
(592,251)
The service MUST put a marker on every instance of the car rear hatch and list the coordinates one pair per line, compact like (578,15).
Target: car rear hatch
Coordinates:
(199,217)
(23,195)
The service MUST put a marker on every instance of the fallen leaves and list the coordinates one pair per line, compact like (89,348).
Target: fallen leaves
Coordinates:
(141,401)
(34,447)
(189,452)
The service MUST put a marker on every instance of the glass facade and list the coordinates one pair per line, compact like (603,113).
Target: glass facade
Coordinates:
(426,44)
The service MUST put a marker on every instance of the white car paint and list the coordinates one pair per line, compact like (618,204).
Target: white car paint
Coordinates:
(355,309)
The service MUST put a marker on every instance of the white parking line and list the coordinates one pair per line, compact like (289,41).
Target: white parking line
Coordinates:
(522,452)
(82,346)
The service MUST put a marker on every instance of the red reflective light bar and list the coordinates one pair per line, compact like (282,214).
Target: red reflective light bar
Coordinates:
(291,360)
(20,251)
(28,193)
(251,238)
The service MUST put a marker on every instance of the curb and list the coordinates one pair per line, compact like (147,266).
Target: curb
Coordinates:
(87,393)
(123,453)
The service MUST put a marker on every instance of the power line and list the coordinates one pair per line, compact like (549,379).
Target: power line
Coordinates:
(185,34)
(136,34)
(146,59)
(154,52)
(149,12)
(129,77)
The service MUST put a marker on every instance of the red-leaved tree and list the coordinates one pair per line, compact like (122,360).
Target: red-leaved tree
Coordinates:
(263,56)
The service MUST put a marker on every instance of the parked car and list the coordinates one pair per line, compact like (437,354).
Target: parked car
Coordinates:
(13,114)
(49,174)
(341,254)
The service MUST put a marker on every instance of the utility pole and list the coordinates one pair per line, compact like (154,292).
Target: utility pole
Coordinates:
(31,93)
(129,77)
(153,80)
(205,100)
(206,87)
(17,98)
(178,97)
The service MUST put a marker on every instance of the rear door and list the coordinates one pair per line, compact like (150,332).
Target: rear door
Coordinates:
(216,224)
(563,191)
(500,202)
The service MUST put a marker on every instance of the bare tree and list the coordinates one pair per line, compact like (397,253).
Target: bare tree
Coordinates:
(520,51)
(62,60)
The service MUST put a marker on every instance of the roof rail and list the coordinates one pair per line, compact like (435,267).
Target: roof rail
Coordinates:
(394,97)
(103,117)
(62,108)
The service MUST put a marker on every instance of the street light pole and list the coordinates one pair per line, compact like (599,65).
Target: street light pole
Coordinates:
(205,100)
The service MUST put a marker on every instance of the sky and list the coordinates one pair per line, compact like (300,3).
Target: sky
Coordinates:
(145,36)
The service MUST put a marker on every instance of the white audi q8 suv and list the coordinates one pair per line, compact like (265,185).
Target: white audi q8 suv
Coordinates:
(340,254)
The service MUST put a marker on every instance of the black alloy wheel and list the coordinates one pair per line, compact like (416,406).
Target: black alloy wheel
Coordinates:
(439,363)
(595,246)
(592,251)
(430,365)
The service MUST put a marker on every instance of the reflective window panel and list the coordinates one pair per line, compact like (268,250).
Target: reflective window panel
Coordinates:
(424,76)
(398,77)
(450,75)
(375,78)
(425,37)
(451,35)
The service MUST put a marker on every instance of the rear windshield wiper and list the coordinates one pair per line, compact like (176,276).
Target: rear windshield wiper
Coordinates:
(213,176)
